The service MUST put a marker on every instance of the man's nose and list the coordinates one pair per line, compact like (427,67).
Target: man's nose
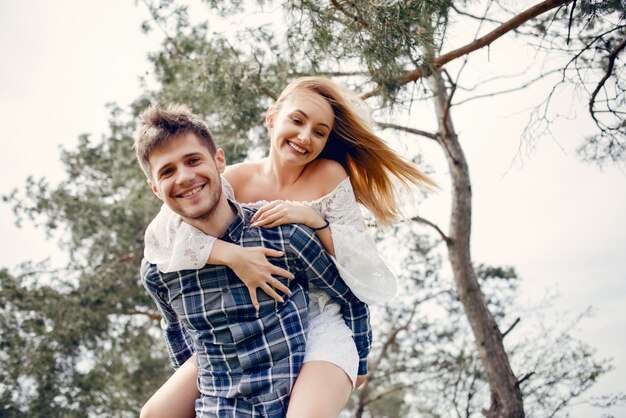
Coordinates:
(185,174)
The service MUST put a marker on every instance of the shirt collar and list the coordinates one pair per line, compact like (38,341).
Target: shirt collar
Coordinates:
(236,228)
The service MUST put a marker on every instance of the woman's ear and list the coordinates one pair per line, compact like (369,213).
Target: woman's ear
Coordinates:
(270,116)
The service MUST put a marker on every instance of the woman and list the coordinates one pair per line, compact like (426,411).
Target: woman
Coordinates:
(323,159)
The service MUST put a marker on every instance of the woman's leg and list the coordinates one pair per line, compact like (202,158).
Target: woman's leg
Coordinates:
(177,397)
(321,390)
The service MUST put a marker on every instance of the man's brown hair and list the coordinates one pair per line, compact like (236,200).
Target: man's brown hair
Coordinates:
(157,125)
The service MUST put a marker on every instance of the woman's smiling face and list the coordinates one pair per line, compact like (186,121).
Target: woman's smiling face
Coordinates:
(300,128)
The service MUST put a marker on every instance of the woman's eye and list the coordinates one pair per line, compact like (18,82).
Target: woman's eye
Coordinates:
(319,133)
(296,121)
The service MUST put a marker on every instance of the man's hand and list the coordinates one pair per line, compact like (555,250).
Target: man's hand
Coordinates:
(360,379)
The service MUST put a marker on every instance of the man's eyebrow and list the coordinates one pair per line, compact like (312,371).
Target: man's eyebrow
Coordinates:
(167,164)
(307,116)
(191,154)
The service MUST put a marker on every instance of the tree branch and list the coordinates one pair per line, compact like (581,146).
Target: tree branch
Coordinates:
(330,73)
(511,90)
(155,316)
(446,108)
(506,27)
(358,20)
(479,18)
(447,239)
(517,320)
(524,378)
(479,43)
(609,71)
(414,131)
(155,18)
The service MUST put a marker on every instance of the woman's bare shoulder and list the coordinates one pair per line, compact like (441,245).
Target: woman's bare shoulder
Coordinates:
(327,172)
(240,173)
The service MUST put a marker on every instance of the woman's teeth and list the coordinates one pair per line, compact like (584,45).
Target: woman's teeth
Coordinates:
(297,148)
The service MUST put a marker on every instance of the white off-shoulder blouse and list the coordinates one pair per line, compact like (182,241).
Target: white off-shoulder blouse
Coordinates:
(175,245)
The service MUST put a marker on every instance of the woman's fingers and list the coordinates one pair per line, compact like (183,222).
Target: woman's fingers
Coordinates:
(263,210)
(279,286)
(268,287)
(269,212)
(277,271)
(270,218)
(255,301)
(270,252)
(271,292)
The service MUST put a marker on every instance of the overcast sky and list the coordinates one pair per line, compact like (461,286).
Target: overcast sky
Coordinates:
(559,221)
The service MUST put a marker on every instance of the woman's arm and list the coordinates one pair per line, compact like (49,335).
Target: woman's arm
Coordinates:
(281,212)
(174,245)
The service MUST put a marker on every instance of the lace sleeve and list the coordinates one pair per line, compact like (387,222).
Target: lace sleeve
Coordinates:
(174,245)
(356,258)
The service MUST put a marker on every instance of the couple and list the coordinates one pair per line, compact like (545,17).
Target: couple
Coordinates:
(263,354)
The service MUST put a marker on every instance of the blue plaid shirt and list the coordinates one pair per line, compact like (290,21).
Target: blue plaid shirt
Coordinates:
(241,352)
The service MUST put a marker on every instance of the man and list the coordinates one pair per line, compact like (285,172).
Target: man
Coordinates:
(248,359)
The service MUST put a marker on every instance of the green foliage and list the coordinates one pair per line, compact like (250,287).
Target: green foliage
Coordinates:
(383,39)
(229,80)
(76,345)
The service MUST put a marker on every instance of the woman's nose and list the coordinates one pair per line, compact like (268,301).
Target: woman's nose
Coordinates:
(305,136)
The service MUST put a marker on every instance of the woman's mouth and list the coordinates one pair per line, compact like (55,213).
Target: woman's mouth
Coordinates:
(297,148)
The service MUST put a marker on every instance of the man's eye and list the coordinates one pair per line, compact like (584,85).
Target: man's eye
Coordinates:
(194,160)
(167,172)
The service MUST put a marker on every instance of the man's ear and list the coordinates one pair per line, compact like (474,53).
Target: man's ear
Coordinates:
(154,188)
(220,160)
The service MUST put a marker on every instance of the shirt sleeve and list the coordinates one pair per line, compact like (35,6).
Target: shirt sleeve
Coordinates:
(174,245)
(315,266)
(177,339)
(356,255)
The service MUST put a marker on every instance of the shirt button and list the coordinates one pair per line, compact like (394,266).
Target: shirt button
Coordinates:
(224,290)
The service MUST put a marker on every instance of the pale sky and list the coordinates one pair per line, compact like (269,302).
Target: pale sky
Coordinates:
(559,221)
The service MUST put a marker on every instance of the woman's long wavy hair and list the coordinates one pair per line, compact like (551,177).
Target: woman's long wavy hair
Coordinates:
(369,161)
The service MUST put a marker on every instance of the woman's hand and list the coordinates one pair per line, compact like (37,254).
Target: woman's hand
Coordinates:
(251,266)
(280,212)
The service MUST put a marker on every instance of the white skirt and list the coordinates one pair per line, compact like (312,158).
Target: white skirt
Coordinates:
(329,338)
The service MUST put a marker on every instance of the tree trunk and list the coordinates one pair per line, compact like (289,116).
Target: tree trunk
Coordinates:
(506,397)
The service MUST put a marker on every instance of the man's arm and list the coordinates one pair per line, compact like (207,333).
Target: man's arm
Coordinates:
(179,344)
(317,267)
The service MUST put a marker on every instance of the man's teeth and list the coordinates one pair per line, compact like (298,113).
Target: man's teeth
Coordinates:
(297,148)
(192,192)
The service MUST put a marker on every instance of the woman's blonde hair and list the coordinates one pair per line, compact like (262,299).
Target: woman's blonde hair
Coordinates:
(369,161)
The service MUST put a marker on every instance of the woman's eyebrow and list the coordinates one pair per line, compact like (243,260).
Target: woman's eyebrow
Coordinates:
(307,116)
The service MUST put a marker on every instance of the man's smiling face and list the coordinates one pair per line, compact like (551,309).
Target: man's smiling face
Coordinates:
(186,177)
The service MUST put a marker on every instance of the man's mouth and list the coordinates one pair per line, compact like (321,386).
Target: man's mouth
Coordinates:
(297,148)
(191,192)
